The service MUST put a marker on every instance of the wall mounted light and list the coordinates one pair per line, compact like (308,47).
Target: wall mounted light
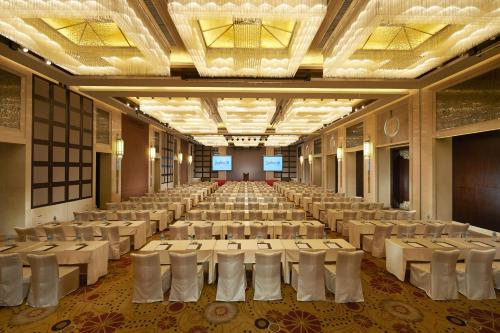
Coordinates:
(190,159)
(179,158)
(310,158)
(301,159)
(152,153)
(340,156)
(367,149)
(340,153)
(120,148)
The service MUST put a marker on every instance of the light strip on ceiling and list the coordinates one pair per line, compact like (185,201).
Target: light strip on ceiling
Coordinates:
(304,116)
(246,115)
(186,115)
(246,141)
(211,140)
(22,22)
(281,140)
(467,23)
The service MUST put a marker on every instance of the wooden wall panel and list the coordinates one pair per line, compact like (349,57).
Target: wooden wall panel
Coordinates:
(135,161)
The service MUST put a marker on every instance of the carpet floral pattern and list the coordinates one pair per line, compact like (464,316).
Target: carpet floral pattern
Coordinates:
(390,306)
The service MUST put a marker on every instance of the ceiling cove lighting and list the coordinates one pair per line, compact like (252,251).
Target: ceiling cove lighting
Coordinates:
(246,115)
(211,140)
(252,38)
(186,115)
(404,39)
(304,116)
(281,140)
(98,37)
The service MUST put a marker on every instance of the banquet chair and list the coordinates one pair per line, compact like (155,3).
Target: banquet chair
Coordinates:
(82,216)
(14,280)
(258,230)
(475,276)
(376,243)
(433,230)
(187,277)
(290,231)
(238,215)
(255,215)
(367,214)
(344,224)
(239,205)
(253,205)
(308,276)
(148,205)
(179,231)
(86,232)
(457,230)
(390,214)
(298,215)
(150,225)
(345,282)
(130,205)
(231,282)
(267,276)
(213,215)
(124,216)
(236,230)
(151,280)
(406,215)
(99,216)
(50,282)
(194,215)
(26,234)
(56,232)
(203,231)
(315,231)
(161,205)
(113,205)
(117,245)
(406,230)
(220,205)
(439,277)
(496,273)
(273,205)
(279,215)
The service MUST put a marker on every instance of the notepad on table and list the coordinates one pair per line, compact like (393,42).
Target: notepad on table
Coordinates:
(480,244)
(5,248)
(415,244)
(193,246)
(233,246)
(333,245)
(75,247)
(265,246)
(444,244)
(163,247)
(45,247)
(303,246)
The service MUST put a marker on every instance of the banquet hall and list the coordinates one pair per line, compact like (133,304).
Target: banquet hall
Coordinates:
(296,166)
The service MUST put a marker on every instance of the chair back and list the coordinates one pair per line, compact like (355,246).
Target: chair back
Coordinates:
(381,233)
(179,231)
(367,214)
(56,232)
(220,205)
(99,216)
(406,230)
(213,215)
(258,230)
(44,285)
(82,216)
(237,231)
(267,276)
(348,286)
(255,215)
(298,215)
(161,205)
(311,279)
(231,282)
(26,234)
(112,235)
(113,205)
(238,215)
(124,215)
(314,231)
(253,205)
(11,280)
(289,231)
(194,215)
(479,274)
(444,275)
(406,215)
(147,278)
(184,285)
(433,230)
(390,214)
(457,230)
(279,215)
(86,232)
(203,231)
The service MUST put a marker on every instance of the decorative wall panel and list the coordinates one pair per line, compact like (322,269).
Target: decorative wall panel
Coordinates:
(103,126)
(167,159)
(289,154)
(354,136)
(203,162)
(393,125)
(10,100)
(469,102)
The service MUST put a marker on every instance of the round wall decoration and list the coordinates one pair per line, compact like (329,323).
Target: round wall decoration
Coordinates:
(391,126)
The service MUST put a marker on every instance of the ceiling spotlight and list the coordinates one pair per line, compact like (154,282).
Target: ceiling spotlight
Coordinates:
(128,104)
(48,62)
(136,108)
(25,50)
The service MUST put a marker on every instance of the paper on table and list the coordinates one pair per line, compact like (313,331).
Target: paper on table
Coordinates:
(415,244)
(266,246)
(44,247)
(233,246)
(163,247)
(481,244)
(193,246)
(303,246)
(444,244)
(333,245)
(5,248)
(75,247)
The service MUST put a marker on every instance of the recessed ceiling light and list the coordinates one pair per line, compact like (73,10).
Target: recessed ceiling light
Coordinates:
(25,49)
(48,62)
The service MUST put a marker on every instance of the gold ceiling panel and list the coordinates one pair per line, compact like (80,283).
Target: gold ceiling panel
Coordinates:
(401,37)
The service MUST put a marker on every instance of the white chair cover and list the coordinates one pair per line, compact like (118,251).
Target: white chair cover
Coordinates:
(86,232)
(162,205)
(213,215)
(231,282)
(144,216)
(343,279)
(298,215)
(381,233)
(151,280)
(314,231)
(203,231)
(406,230)
(237,231)
(255,215)
(390,215)
(267,276)
(238,215)
(187,277)
(56,232)
(258,231)
(433,230)
(496,273)
(82,216)
(99,216)
(112,235)
(457,230)
(194,215)
(475,277)
(439,278)
(124,216)
(279,215)
(26,234)
(13,286)
(308,277)
(179,231)
(348,215)
(289,231)
(148,205)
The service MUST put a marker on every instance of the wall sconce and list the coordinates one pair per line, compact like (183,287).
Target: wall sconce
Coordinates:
(190,159)
(340,156)
(310,158)
(367,149)
(301,159)
(120,148)
(179,158)
(152,153)
(340,153)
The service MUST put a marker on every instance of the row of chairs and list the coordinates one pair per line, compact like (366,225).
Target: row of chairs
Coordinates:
(215,215)
(151,226)
(184,277)
(242,205)
(237,231)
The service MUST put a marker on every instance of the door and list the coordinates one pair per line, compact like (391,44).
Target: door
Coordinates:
(359,174)
(400,176)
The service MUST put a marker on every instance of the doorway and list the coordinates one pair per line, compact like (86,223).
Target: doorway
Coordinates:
(332,172)
(359,174)
(12,195)
(103,179)
(157,175)
(317,171)
(400,176)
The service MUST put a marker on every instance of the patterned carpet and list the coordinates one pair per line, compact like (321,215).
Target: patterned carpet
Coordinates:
(390,306)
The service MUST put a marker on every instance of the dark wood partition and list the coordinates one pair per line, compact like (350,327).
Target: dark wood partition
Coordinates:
(135,136)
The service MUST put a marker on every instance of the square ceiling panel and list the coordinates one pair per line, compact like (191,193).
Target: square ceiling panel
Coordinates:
(99,37)
(405,39)
(247,38)
(246,115)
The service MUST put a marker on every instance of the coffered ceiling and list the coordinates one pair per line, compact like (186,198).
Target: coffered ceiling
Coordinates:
(242,72)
